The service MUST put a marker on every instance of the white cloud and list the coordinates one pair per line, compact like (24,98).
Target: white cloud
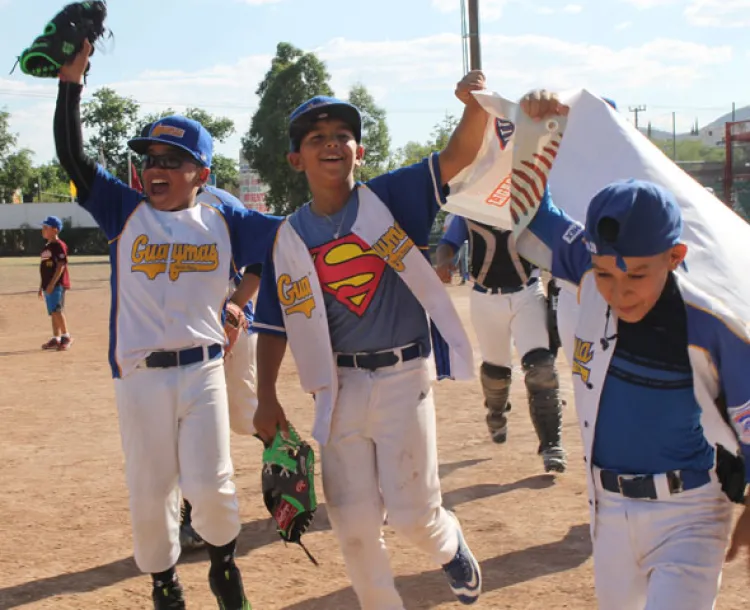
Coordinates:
(413,79)
(719,13)
(544,10)
(572,8)
(646,4)
(258,2)
(624,25)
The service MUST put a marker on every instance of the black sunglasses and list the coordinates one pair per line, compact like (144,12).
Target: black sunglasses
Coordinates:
(167,161)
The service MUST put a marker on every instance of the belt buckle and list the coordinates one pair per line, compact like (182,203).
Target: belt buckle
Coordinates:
(619,484)
(676,484)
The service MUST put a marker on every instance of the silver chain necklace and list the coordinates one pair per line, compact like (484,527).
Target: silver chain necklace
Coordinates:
(337,229)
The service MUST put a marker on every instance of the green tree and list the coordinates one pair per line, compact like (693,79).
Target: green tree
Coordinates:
(294,77)
(691,150)
(376,138)
(52,181)
(8,139)
(414,152)
(227,173)
(17,172)
(113,119)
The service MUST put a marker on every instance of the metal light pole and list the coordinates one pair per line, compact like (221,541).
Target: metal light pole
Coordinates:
(474,47)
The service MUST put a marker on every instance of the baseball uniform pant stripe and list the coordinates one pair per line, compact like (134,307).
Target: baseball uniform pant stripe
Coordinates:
(382,459)
(174,425)
(663,554)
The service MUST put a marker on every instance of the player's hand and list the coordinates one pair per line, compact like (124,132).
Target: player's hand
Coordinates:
(741,537)
(40,294)
(73,71)
(269,417)
(445,272)
(50,289)
(540,104)
(473,81)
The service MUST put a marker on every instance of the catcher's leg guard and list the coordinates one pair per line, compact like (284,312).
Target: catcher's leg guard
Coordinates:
(496,387)
(545,406)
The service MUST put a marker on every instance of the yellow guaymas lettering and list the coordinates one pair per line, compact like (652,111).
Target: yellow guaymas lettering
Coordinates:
(393,246)
(295,295)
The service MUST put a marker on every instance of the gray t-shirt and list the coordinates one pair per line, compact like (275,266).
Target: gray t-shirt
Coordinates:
(369,306)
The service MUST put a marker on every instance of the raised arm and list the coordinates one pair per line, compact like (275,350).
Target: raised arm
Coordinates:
(67,124)
(466,140)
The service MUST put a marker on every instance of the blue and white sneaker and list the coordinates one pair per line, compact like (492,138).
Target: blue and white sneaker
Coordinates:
(463,571)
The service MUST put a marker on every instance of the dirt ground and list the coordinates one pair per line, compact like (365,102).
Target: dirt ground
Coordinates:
(64,524)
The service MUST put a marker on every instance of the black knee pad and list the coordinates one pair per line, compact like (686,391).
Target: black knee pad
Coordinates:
(495,372)
(540,356)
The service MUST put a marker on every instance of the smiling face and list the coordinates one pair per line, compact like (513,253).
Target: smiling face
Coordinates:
(174,188)
(328,154)
(633,293)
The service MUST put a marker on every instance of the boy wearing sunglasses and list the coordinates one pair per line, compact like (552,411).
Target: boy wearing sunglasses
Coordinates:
(171,259)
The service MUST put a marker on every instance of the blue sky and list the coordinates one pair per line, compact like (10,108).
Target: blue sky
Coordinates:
(687,56)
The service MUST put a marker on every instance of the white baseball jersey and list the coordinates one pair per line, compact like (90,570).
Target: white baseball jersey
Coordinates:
(170,269)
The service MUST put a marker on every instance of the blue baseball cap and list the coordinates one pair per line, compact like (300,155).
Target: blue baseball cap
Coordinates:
(610,102)
(632,218)
(320,107)
(54,222)
(179,131)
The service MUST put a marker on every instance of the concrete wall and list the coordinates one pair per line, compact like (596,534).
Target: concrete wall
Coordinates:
(23,215)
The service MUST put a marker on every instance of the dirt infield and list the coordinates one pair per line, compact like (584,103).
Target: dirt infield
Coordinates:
(64,525)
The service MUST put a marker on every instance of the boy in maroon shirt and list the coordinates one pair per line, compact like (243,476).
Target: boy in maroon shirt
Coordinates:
(55,281)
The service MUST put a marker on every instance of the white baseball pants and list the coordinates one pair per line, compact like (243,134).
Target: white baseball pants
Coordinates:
(240,372)
(174,425)
(661,554)
(498,318)
(382,458)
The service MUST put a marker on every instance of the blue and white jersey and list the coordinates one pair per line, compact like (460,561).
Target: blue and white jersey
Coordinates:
(718,350)
(369,307)
(169,270)
(213,196)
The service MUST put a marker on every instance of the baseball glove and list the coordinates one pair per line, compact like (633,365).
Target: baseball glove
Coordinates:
(63,38)
(289,486)
(235,323)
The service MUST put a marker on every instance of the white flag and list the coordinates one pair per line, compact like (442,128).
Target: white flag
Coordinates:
(598,146)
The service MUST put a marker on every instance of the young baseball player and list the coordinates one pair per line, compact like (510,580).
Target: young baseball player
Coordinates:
(662,394)
(508,302)
(55,280)
(171,259)
(348,287)
(239,363)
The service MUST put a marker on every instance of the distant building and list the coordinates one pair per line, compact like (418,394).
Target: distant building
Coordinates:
(252,190)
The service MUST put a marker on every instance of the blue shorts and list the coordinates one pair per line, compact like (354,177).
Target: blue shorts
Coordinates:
(56,300)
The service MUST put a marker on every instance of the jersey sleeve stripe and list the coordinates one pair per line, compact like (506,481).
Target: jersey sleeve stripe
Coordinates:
(215,210)
(434,166)
(125,224)
(268,328)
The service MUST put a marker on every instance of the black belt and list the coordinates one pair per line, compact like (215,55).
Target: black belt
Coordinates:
(183,357)
(372,362)
(643,487)
(505,289)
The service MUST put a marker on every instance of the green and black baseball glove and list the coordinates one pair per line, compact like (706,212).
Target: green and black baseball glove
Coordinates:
(289,486)
(63,38)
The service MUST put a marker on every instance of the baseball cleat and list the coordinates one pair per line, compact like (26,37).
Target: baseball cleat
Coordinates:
(168,596)
(463,571)
(228,590)
(190,540)
(53,343)
(555,459)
